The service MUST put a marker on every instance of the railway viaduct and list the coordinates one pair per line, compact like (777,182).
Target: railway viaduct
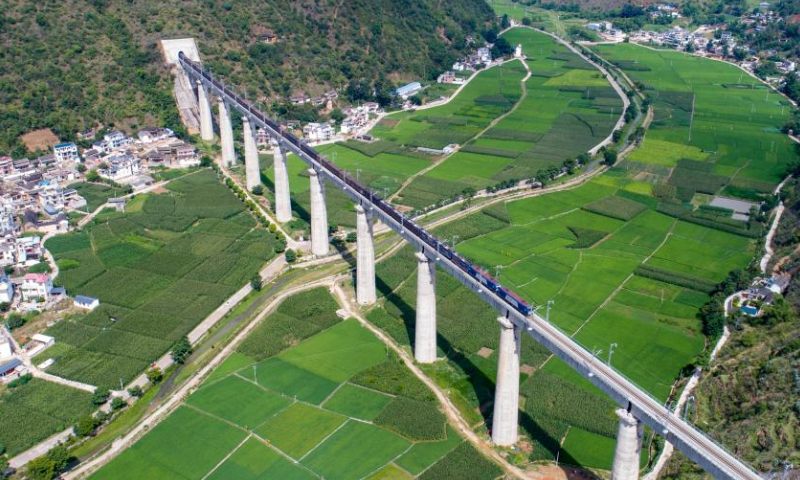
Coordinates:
(637,407)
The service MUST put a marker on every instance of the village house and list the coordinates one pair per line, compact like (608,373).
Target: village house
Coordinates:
(36,286)
(318,132)
(66,152)
(186,155)
(299,99)
(87,134)
(6,350)
(154,134)
(6,166)
(33,223)
(120,166)
(6,291)
(450,77)
(112,141)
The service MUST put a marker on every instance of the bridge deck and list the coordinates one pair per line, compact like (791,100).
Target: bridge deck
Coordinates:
(689,440)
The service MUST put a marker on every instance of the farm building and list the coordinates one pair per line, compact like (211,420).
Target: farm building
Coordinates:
(10,367)
(88,303)
(407,90)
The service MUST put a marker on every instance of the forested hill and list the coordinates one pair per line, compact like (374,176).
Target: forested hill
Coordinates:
(66,63)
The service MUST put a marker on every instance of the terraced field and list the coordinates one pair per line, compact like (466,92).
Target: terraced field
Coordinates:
(334,406)
(569,108)
(159,269)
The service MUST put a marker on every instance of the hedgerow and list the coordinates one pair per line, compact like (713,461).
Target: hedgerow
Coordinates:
(674,278)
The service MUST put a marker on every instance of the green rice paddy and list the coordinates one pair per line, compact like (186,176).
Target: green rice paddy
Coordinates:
(297,416)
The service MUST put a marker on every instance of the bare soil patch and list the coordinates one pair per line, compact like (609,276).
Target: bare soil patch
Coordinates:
(42,139)
(485,352)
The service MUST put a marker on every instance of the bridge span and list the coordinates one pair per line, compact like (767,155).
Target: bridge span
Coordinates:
(516,317)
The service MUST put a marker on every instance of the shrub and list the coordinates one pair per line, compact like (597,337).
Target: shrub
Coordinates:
(290,256)
(100,396)
(135,391)
(20,381)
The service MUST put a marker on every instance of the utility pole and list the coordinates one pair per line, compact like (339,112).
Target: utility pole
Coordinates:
(549,306)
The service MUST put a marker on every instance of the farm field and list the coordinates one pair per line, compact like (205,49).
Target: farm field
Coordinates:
(36,410)
(569,108)
(716,129)
(580,248)
(158,270)
(264,430)
(383,168)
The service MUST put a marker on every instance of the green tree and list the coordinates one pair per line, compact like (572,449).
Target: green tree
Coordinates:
(92,176)
(256,283)
(154,375)
(41,468)
(118,404)
(502,48)
(609,156)
(337,115)
(258,190)
(351,237)
(85,426)
(290,256)
(181,350)
(60,457)
(100,396)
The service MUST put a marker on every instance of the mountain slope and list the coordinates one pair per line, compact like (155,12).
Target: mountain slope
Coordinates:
(66,64)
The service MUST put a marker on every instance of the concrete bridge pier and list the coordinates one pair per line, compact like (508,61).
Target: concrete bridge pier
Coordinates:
(206,126)
(425,327)
(283,203)
(365,266)
(226,135)
(629,447)
(506,391)
(252,171)
(319,215)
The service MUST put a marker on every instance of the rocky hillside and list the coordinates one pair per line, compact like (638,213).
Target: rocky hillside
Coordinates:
(66,64)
